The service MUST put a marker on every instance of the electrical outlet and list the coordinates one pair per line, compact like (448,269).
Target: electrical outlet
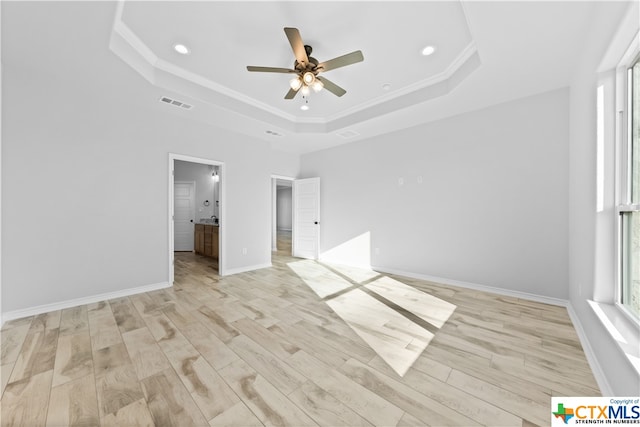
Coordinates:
(244,251)
(377,251)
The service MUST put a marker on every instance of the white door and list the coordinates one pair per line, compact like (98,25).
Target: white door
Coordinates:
(183,211)
(306,218)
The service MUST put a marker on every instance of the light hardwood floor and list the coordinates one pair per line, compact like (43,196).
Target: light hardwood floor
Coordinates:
(284,242)
(297,344)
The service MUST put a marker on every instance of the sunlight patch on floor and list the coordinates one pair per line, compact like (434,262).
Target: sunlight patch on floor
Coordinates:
(321,280)
(427,307)
(396,339)
(394,319)
(355,274)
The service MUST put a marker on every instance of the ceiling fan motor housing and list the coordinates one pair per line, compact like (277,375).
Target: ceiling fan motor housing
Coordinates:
(307,68)
(312,65)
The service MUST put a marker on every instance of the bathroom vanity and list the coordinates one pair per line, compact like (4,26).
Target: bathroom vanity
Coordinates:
(206,239)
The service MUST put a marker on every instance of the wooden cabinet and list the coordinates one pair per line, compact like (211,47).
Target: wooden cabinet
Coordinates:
(199,238)
(216,242)
(206,240)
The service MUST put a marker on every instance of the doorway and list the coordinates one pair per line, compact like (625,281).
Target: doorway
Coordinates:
(295,217)
(196,204)
(282,215)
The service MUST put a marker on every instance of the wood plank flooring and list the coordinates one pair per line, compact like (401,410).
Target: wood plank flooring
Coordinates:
(267,348)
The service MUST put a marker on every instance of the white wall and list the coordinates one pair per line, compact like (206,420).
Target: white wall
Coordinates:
(284,208)
(491,207)
(591,237)
(84,178)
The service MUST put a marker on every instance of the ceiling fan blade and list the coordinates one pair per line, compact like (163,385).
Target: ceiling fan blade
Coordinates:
(269,69)
(291,94)
(296,44)
(331,86)
(341,61)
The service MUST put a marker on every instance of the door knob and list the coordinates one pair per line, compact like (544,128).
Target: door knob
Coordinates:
(315,222)
(191,220)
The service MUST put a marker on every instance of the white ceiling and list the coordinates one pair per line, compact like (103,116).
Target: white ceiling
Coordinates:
(486,53)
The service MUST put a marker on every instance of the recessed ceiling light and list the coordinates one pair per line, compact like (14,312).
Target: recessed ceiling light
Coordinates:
(181,49)
(305,107)
(428,50)
(386,86)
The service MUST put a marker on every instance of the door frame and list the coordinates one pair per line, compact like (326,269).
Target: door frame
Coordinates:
(222,236)
(274,209)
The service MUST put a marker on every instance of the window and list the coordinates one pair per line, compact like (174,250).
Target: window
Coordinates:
(629,207)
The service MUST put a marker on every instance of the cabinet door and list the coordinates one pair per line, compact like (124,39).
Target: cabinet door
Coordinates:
(215,242)
(200,245)
(199,238)
(208,240)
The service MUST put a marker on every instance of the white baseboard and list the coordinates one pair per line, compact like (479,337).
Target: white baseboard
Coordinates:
(477,287)
(45,308)
(247,268)
(598,373)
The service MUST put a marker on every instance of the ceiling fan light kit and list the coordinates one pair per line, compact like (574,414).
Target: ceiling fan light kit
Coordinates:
(308,78)
(307,68)
(295,83)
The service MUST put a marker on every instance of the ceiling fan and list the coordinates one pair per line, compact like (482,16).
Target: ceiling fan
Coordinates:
(307,68)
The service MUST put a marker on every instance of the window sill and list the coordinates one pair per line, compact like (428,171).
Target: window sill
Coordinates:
(625,331)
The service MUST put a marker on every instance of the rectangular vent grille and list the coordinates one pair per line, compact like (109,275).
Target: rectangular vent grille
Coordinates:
(176,103)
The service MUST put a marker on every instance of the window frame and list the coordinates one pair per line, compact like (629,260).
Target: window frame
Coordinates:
(624,159)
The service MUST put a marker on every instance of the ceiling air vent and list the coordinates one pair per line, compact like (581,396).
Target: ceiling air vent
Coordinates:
(348,134)
(176,103)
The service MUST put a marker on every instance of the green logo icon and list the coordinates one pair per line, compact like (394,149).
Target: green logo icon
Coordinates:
(564,413)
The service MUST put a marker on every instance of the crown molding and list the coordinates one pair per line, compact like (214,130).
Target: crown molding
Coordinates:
(132,50)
